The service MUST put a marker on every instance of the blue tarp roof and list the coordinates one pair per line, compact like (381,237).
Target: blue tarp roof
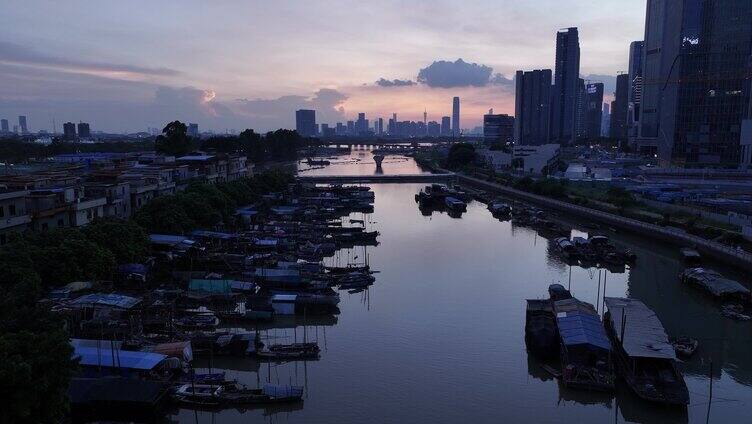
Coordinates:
(577,328)
(213,234)
(103,356)
(111,300)
(210,286)
(169,239)
(133,268)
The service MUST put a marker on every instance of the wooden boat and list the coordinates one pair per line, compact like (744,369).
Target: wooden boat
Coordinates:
(268,394)
(716,285)
(540,328)
(499,209)
(642,353)
(455,204)
(585,348)
(685,347)
(199,394)
(690,256)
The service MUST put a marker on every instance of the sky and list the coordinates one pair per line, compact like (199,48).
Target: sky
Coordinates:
(125,66)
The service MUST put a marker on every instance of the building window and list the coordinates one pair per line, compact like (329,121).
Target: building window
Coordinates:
(12,210)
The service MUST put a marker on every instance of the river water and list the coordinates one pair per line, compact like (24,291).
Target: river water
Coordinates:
(439,338)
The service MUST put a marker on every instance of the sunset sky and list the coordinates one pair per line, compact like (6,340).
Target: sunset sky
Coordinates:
(129,65)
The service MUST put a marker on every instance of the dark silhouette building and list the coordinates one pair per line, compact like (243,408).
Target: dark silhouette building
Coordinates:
(446,126)
(565,90)
(22,124)
(532,102)
(83,130)
(619,108)
(636,54)
(593,110)
(69,131)
(305,122)
(498,128)
(696,80)
(192,130)
(456,130)
(4,128)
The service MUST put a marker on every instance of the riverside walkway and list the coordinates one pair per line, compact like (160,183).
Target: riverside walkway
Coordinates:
(672,235)
(378,178)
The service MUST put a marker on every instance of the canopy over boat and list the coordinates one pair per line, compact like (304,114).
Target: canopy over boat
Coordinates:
(644,335)
(580,325)
(715,283)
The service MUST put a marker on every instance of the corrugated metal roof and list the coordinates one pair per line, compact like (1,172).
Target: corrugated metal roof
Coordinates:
(210,286)
(644,335)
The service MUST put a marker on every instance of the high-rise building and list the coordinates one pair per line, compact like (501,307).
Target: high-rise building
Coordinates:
(593,110)
(696,80)
(305,122)
(69,131)
(351,128)
(606,120)
(4,126)
(192,130)
(580,126)
(22,124)
(620,108)
(446,126)
(532,102)
(340,129)
(380,127)
(497,128)
(565,90)
(456,130)
(636,54)
(83,130)
(433,128)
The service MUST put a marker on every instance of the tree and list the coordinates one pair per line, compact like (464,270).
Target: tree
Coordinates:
(460,155)
(126,240)
(174,140)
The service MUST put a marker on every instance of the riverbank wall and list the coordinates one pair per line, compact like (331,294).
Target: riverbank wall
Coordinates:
(671,235)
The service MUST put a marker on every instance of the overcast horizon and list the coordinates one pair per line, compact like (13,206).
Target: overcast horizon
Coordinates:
(225,65)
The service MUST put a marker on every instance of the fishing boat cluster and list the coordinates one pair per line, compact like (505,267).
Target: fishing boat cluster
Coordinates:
(218,293)
(630,341)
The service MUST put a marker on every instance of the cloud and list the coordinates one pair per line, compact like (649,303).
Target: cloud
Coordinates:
(280,112)
(499,79)
(394,83)
(14,54)
(459,73)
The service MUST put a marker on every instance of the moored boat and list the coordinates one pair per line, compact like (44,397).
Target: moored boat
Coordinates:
(642,353)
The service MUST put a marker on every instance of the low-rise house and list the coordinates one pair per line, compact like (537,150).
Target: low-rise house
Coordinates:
(537,160)
(13,215)
(117,195)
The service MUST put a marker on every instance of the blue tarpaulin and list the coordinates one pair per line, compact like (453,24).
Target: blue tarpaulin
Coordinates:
(92,356)
(106,300)
(211,286)
(578,328)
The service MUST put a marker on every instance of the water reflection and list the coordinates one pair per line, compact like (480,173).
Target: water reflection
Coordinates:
(439,337)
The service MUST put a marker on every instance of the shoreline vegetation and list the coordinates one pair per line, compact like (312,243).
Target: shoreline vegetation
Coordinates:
(35,352)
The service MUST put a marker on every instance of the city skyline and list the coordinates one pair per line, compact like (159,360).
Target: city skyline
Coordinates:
(225,68)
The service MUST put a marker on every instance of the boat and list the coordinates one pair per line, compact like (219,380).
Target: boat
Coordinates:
(338,270)
(270,393)
(286,352)
(685,347)
(455,204)
(557,292)
(715,284)
(313,162)
(642,353)
(199,394)
(690,256)
(585,350)
(540,328)
(499,209)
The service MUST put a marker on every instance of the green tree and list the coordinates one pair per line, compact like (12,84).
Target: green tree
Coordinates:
(126,240)
(174,140)
(460,155)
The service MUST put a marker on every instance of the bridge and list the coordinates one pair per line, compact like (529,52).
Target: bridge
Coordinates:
(377,178)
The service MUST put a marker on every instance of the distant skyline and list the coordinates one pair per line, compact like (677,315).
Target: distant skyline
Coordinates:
(126,66)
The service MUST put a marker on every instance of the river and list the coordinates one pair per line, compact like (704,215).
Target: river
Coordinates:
(439,337)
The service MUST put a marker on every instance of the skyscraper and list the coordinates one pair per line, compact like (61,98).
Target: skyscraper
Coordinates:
(446,126)
(380,127)
(606,120)
(4,126)
(22,124)
(565,90)
(580,126)
(696,80)
(532,102)
(497,128)
(635,89)
(69,131)
(305,122)
(84,132)
(192,130)
(619,108)
(456,130)
(593,110)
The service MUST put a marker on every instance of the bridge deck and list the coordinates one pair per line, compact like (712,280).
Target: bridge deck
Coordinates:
(376,178)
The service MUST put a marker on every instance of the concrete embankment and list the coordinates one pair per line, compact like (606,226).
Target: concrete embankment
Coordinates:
(675,236)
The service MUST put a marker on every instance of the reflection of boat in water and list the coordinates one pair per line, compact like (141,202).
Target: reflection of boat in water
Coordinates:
(540,328)
(642,352)
(378,159)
